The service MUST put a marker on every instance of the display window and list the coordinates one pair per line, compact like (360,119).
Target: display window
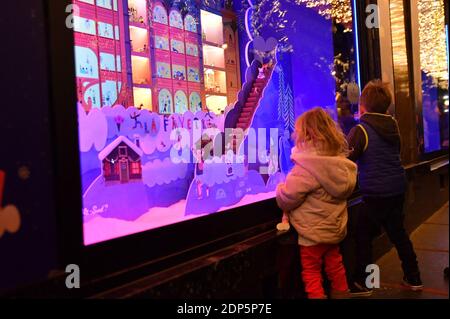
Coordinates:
(149,108)
(175,19)
(107,4)
(105,30)
(191,49)
(193,74)
(195,102)
(162,43)
(212,27)
(181,103)
(88,1)
(140,70)
(213,56)
(137,12)
(177,46)
(163,70)
(179,72)
(107,61)
(165,101)
(160,14)
(84,25)
(190,24)
(139,40)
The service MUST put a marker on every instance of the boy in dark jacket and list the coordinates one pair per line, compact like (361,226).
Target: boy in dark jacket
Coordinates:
(375,146)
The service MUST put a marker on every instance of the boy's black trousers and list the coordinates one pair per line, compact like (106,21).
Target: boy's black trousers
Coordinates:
(385,212)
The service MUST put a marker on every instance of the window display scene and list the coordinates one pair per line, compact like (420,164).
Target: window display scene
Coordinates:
(433,38)
(186,108)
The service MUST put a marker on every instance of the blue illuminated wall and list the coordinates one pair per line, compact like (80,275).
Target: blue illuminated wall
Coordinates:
(312,56)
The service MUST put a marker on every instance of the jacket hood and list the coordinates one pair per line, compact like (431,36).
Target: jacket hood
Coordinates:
(336,174)
(385,126)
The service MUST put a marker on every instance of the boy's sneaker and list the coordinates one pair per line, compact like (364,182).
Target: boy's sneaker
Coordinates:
(413,283)
(359,290)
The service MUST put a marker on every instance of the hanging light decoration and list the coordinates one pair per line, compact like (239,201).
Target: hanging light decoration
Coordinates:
(338,10)
(433,47)
(269,13)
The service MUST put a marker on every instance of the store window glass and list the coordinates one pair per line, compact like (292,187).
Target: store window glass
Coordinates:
(345,65)
(434,73)
(133,94)
(344,68)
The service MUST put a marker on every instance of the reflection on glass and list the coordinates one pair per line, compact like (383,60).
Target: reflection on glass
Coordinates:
(434,72)
(345,67)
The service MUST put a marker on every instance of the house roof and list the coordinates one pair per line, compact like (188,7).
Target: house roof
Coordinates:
(108,149)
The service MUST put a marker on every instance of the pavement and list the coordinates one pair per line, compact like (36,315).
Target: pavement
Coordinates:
(431,241)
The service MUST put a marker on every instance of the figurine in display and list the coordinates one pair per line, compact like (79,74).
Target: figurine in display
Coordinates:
(89,104)
(108,99)
(261,74)
(179,76)
(135,116)
(200,155)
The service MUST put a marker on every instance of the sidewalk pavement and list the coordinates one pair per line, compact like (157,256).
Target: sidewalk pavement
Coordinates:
(431,241)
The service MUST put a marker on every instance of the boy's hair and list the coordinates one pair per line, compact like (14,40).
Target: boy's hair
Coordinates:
(376,97)
(316,129)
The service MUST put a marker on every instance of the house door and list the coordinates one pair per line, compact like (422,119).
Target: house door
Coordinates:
(124,174)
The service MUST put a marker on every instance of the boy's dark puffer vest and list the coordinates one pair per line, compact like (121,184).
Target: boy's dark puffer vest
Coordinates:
(381,173)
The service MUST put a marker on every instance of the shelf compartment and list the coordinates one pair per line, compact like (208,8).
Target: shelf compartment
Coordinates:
(213,56)
(142,97)
(215,81)
(141,70)
(212,28)
(139,39)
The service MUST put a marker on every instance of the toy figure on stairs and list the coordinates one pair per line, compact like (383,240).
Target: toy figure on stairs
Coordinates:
(261,74)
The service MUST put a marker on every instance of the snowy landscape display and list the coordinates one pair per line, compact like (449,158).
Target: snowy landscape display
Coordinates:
(141,170)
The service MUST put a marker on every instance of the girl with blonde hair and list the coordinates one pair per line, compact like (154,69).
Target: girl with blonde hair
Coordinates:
(314,197)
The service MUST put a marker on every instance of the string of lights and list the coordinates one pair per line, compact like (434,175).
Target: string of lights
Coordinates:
(433,47)
(269,13)
(338,10)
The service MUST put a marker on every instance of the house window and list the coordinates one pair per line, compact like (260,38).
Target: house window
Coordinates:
(116,169)
(106,168)
(123,151)
(135,168)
